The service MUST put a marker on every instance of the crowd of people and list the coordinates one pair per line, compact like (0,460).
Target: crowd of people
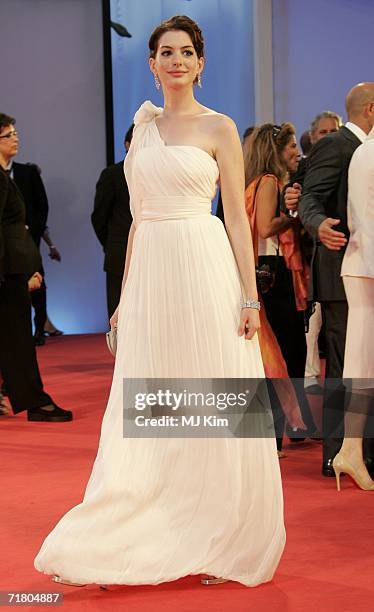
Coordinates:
(286,255)
(196,299)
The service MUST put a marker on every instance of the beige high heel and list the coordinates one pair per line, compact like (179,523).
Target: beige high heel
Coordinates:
(341,465)
(213,580)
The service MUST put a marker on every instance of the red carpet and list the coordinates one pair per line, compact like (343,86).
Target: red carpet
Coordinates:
(328,564)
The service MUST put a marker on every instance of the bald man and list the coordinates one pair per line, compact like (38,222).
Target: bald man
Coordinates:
(323,211)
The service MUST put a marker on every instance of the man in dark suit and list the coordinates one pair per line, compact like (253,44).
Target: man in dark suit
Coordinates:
(111,220)
(19,259)
(29,182)
(326,122)
(323,211)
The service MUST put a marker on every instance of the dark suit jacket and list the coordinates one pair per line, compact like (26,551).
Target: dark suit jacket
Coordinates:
(31,186)
(299,175)
(325,195)
(111,217)
(18,252)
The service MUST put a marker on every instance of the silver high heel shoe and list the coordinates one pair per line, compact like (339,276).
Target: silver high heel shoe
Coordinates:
(212,580)
(59,580)
(67,582)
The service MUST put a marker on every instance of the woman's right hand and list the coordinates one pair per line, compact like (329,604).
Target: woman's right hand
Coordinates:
(114,319)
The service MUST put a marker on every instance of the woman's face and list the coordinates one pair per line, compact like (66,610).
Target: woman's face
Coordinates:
(291,154)
(176,63)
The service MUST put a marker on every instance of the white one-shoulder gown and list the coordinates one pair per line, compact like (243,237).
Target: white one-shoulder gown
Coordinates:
(158,509)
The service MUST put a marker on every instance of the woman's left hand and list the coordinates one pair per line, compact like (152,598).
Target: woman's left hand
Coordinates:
(249,322)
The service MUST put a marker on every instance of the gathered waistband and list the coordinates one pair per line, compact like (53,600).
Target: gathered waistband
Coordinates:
(162,208)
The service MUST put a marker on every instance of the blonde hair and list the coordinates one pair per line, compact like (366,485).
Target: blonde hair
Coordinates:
(262,150)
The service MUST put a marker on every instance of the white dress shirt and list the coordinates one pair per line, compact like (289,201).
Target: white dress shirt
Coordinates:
(361,135)
(359,256)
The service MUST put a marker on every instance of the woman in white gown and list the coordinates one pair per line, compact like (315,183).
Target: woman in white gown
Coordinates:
(158,509)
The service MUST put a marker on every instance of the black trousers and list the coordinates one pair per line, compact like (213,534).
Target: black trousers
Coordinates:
(39,303)
(288,326)
(18,363)
(113,291)
(335,316)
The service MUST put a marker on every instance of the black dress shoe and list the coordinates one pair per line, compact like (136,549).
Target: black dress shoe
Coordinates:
(39,339)
(327,469)
(57,415)
(297,435)
(300,435)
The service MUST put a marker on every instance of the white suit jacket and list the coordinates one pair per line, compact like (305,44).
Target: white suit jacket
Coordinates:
(359,256)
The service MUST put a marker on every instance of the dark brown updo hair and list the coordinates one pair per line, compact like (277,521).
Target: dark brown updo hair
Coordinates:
(178,22)
(263,149)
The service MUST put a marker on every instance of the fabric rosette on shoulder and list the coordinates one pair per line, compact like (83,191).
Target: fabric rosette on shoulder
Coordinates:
(147,112)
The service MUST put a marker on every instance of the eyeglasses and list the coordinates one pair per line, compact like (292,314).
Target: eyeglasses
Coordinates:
(12,134)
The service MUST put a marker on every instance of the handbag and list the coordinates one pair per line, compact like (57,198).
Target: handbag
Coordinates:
(265,278)
(111,340)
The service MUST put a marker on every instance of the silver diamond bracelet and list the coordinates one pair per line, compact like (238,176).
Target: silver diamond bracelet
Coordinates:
(251,304)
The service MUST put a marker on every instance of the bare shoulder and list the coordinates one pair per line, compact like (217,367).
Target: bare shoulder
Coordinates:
(221,130)
(268,184)
(218,121)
